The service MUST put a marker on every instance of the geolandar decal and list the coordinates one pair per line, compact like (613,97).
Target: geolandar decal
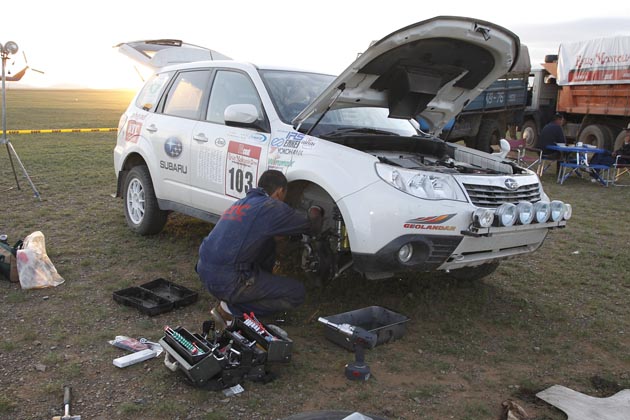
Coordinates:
(241,168)
(430,222)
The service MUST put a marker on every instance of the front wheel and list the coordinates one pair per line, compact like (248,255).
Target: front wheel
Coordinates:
(474,273)
(142,212)
(529,132)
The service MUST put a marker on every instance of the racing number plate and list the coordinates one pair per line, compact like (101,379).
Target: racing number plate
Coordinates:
(241,169)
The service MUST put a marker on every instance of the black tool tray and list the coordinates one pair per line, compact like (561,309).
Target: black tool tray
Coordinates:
(156,297)
(278,350)
(386,324)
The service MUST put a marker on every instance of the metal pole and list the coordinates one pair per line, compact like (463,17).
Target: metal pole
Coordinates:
(5,140)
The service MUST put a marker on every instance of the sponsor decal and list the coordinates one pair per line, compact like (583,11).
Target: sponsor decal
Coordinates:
(292,144)
(173,147)
(430,223)
(511,184)
(219,142)
(133,131)
(241,168)
(174,167)
(259,137)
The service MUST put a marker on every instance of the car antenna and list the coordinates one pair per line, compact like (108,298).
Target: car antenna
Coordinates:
(341,88)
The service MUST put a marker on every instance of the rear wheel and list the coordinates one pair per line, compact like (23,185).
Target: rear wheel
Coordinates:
(488,134)
(474,273)
(529,132)
(619,140)
(142,212)
(598,135)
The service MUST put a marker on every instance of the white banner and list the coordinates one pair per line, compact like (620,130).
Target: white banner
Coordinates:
(595,62)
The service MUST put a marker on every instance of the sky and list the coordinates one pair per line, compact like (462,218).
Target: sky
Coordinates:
(72,41)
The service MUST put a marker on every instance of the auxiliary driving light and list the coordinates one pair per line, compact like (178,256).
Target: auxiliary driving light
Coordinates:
(541,211)
(568,211)
(405,253)
(483,218)
(525,212)
(506,214)
(557,210)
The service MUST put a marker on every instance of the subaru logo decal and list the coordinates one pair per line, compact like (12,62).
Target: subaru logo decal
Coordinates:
(173,147)
(511,184)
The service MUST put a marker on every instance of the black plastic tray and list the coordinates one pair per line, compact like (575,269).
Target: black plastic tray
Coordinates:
(145,301)
(156,297)
(179,295)
(386,324)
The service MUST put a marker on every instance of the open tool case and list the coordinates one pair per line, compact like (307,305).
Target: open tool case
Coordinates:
(156,297)
(223,360)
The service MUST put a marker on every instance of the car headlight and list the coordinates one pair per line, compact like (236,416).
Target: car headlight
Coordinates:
(568,211)
(505,214)
(422,184)
(405,253)
(557,210)
(483,218)
(541,211)
(525,212)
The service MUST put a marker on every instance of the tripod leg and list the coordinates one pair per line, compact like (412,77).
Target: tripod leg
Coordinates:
(12,167)
(28,178)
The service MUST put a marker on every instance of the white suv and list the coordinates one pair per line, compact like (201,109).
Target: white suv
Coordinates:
(199,134)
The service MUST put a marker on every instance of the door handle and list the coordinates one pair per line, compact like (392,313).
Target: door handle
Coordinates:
(152,128)
(200,137)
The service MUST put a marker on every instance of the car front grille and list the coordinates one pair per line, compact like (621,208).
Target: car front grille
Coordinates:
(493,196)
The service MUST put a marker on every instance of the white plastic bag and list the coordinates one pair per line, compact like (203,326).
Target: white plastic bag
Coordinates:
(35,269)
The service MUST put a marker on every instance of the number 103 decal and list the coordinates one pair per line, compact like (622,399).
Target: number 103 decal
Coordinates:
(241,169)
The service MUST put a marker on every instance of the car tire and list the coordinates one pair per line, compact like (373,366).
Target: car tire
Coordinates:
(619,140)
(530,133)
(142,212)
(488,134)
(471,274)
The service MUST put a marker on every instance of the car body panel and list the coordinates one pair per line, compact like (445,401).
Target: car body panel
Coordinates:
(160,53)
(430,69)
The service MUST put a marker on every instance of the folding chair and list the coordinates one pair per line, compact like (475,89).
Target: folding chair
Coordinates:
(523,155)
(620,169)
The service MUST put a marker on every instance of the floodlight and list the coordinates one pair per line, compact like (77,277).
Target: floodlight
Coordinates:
(11,47)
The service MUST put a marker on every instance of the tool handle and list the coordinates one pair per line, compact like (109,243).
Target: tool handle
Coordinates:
(67,394)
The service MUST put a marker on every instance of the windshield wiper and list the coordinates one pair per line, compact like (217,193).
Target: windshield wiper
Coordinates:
(358,130)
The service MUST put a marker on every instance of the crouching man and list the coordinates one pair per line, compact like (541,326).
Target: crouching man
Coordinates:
(236,259)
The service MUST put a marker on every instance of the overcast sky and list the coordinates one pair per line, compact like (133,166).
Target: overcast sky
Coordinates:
(71,41)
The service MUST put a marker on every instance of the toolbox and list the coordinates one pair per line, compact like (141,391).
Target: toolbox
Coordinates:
(156,297)
(198,370)
(278,349)
(386,324)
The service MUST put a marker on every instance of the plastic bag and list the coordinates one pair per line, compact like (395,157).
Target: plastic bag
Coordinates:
(35,269)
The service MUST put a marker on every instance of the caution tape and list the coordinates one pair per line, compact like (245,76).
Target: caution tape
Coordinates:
(63,130)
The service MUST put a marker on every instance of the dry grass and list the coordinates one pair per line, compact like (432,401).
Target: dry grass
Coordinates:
(556,317)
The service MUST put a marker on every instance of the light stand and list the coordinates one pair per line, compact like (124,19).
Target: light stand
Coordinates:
(5,50)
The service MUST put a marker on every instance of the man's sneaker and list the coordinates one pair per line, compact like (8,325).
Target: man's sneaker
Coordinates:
(221,319)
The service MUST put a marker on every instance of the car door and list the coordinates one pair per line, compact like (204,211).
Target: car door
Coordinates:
(170,132)
(226,161)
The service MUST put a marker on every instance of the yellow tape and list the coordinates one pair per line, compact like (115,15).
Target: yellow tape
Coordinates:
(62,130)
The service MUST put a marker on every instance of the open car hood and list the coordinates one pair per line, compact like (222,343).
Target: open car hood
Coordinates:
(431,69)
(158,53)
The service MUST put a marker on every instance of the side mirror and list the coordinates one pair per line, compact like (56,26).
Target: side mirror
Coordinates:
(242,115)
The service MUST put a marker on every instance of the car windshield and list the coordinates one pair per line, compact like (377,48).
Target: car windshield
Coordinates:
(292,91)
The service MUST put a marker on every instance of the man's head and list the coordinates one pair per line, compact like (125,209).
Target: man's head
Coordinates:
(558,119)
(274,183)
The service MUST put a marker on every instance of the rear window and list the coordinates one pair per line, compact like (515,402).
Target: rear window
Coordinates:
(150,93)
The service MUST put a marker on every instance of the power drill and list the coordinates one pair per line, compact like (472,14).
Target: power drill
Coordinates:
(360,339)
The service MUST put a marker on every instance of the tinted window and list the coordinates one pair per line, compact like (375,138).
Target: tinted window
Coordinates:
(185,95)
(231,88)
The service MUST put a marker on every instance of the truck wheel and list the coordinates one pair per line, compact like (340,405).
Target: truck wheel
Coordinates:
(619,140)
(141,207)
(474,273)
(530,133)
(488,134)
(596,134)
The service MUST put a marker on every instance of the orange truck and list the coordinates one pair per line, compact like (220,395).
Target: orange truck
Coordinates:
(588,82)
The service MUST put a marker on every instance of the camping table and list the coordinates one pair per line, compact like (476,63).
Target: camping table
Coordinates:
(575,158)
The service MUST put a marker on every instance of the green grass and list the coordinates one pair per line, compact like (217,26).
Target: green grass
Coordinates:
(557,316)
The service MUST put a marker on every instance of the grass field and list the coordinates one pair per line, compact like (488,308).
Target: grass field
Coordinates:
(559,316)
